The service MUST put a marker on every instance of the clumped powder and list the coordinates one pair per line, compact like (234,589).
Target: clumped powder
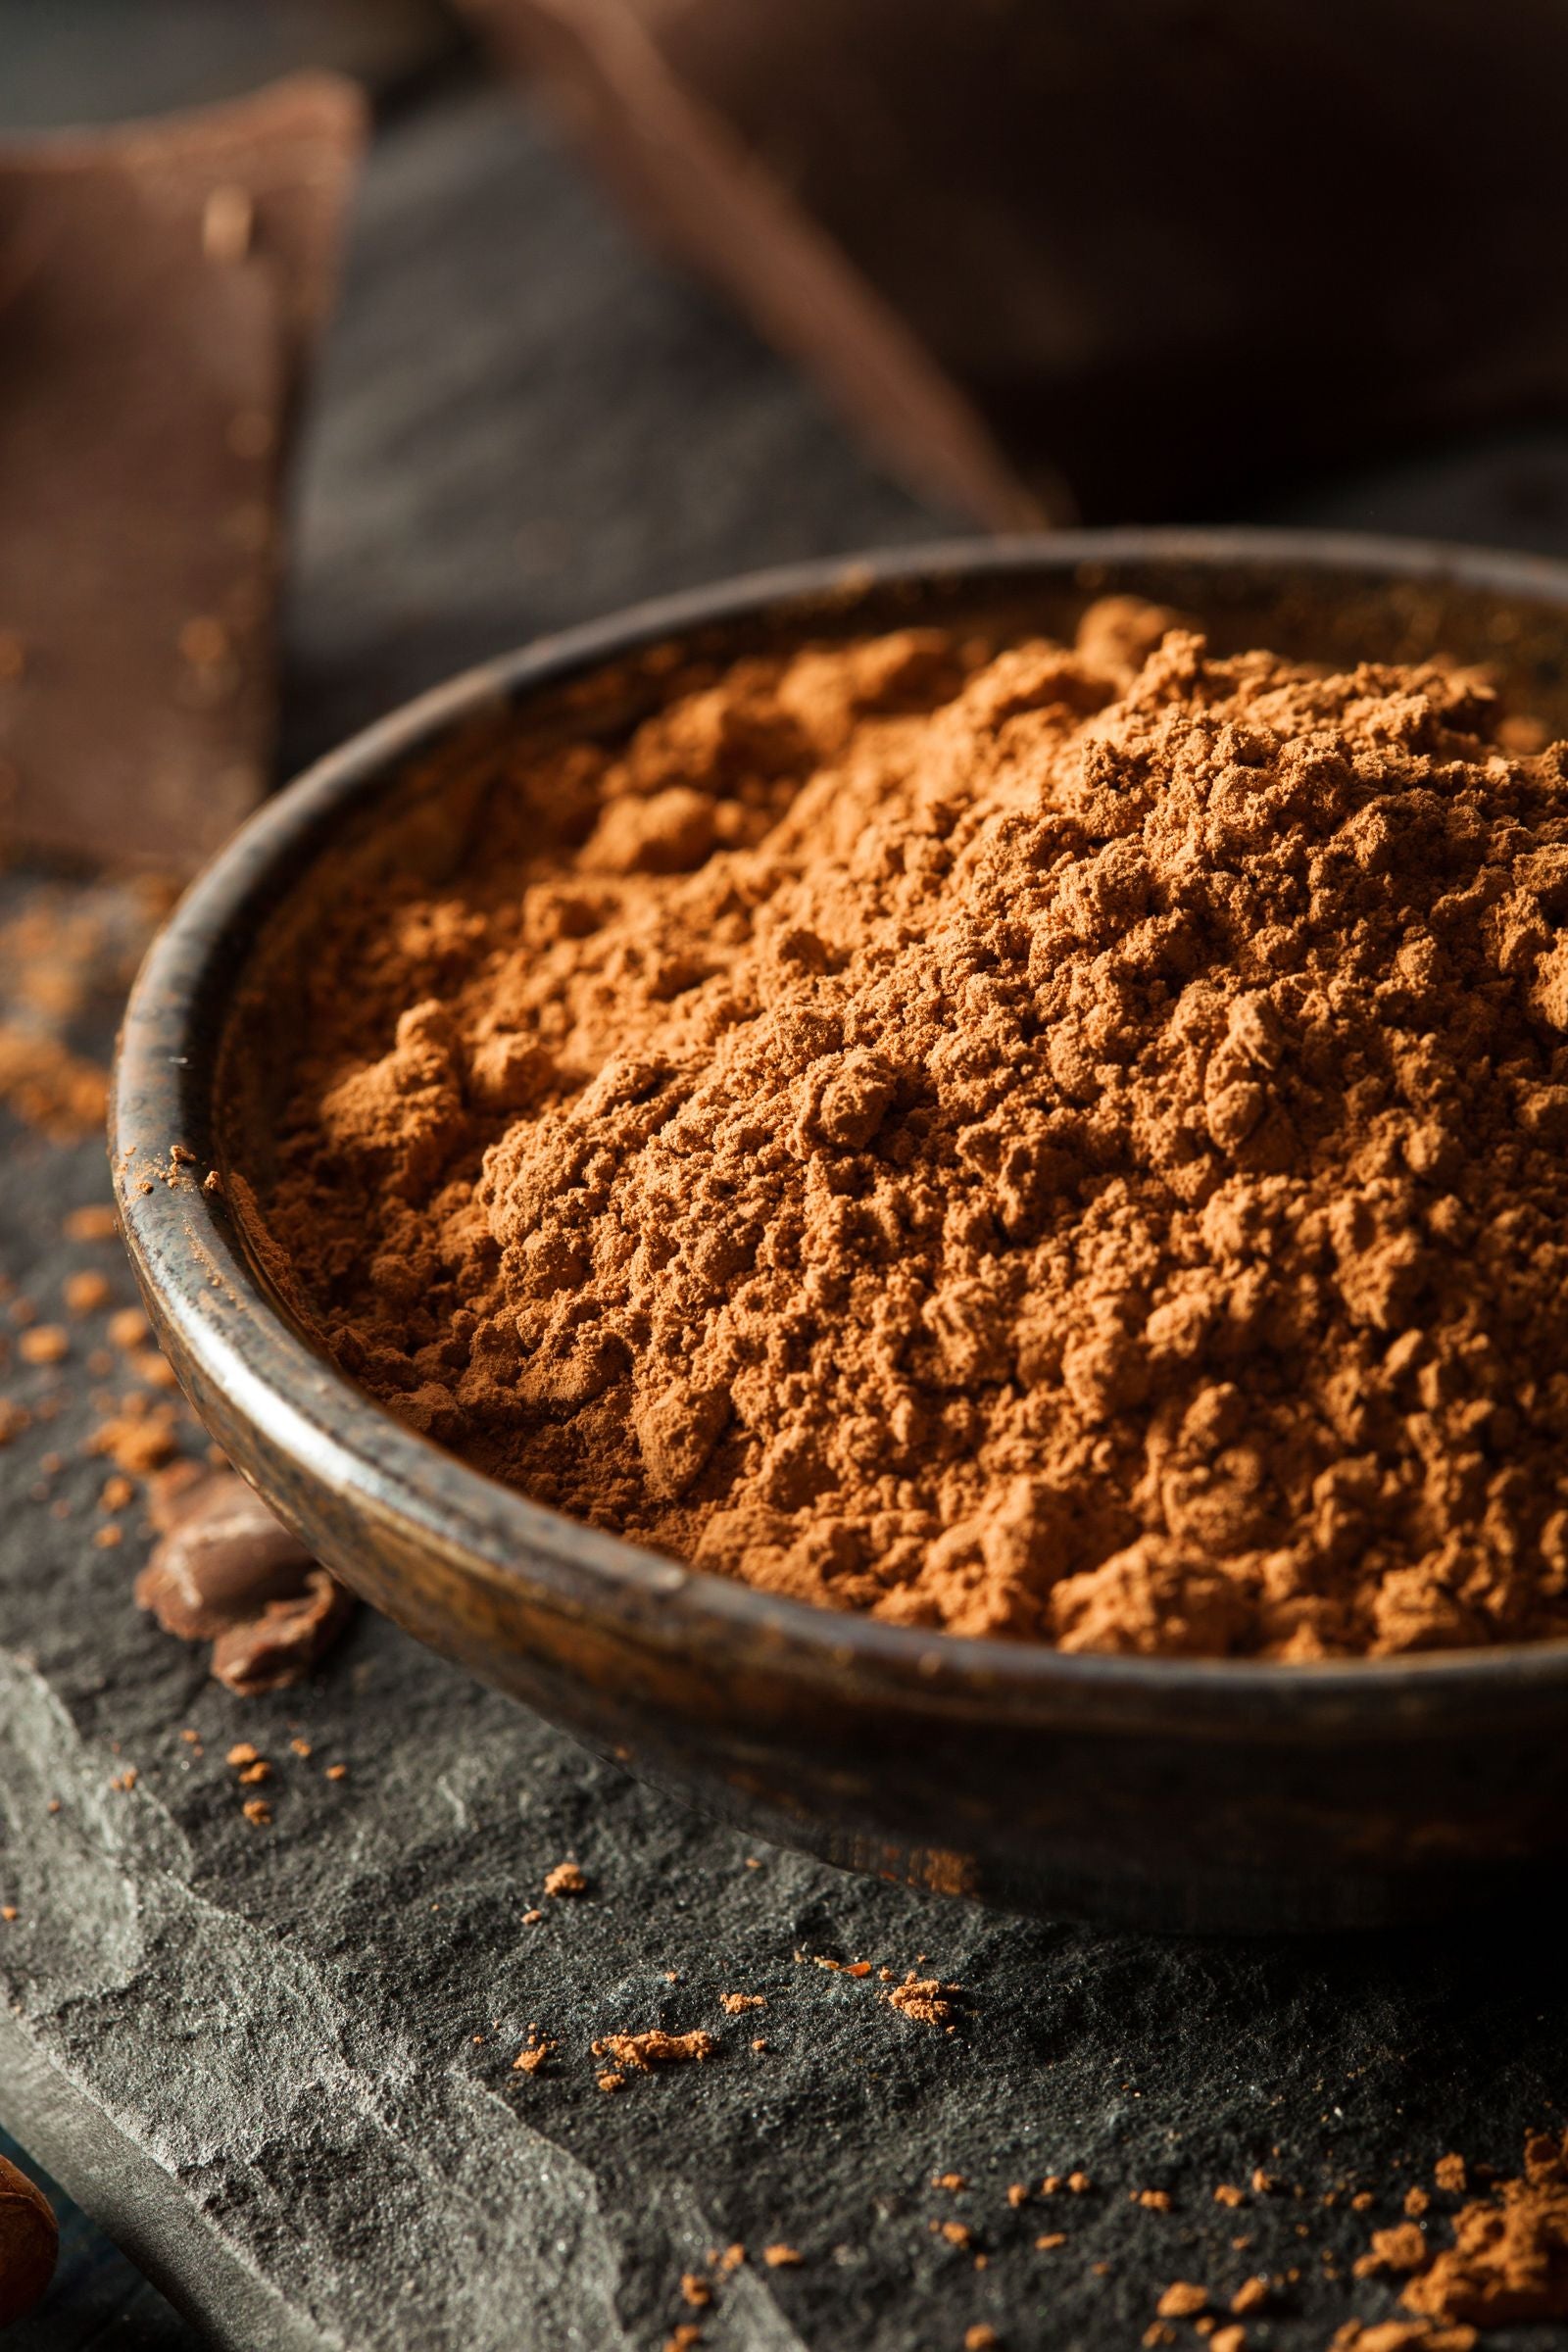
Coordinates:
(1063,1143)
(1509,2258)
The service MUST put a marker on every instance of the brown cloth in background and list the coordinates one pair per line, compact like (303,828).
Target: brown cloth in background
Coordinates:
(161,285)
(1123,258)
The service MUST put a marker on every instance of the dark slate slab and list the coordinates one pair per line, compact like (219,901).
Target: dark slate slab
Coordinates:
(252,2053)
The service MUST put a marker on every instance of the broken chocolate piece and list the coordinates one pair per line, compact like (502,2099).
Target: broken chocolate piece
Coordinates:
(29,2241)
(229,1573)
(161,287)
(272,1651)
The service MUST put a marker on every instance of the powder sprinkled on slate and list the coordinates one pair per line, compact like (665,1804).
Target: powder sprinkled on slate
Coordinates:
(1058,1143)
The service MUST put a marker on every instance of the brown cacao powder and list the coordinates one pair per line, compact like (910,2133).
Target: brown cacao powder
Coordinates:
(1064,1142)
(1508,2262)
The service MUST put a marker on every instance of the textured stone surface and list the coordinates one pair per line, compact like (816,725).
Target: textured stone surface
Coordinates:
(251,2052)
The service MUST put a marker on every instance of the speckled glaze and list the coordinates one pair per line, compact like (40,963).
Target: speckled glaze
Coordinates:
(1202,1795)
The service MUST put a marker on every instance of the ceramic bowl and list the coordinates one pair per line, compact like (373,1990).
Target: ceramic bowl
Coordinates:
(1217,1795)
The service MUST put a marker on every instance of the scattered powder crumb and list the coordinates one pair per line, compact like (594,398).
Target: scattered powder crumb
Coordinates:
(779,2257)
(1403,2248)
(1228,2193)
(1228,2339)
(1252,2296)
(128,1329)
(735,2003)
(8,1912)
(106,1538)
(565,1879)
(922,1998)
(530,1918)
(1400,2335)
(695,2290)
(126,1780)
(1079,2183)
(531,2057)
(1017,2194)
(1158,2333)
(611,2082)
(682,2338)
(44,1344)
(730,2260)
(952,2181)
(1416,2202)
(1052,2237)
(980,2338)
(87,1292)
(644,2051)
(759,2043)
(1182,2300)
(300,1747)
(95,1223)
(956,2234)
(1364,2201)
(1449,2174)
(117,1493)
(1153,2200)
(137,1442)
(258,1812)
(1263,2184)
(242,1753)
(48,1088)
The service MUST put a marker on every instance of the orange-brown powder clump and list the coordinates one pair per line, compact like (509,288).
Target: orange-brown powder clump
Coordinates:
(1509,2258)
(1067,1143)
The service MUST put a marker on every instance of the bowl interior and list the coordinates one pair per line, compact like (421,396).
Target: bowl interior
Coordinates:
(231,1010)
(409,811)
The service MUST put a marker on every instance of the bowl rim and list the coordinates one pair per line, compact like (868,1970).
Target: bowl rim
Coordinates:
(183,1242)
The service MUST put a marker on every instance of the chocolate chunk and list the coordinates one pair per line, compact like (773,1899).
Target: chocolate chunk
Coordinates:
(269,1652)
(161,287)
(228,1573)
(1027,244)
(29,2241)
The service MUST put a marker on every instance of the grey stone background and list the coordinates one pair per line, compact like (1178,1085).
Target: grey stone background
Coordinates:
(252,2055)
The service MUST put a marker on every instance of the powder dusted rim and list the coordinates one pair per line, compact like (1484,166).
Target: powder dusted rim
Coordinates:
(583,1623)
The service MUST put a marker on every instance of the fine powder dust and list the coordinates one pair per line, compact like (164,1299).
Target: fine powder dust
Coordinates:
(1063,1143)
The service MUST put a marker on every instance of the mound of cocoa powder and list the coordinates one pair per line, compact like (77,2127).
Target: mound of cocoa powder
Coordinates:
(1059,1142)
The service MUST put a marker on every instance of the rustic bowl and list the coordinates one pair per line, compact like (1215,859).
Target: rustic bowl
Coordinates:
(1172,1793)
